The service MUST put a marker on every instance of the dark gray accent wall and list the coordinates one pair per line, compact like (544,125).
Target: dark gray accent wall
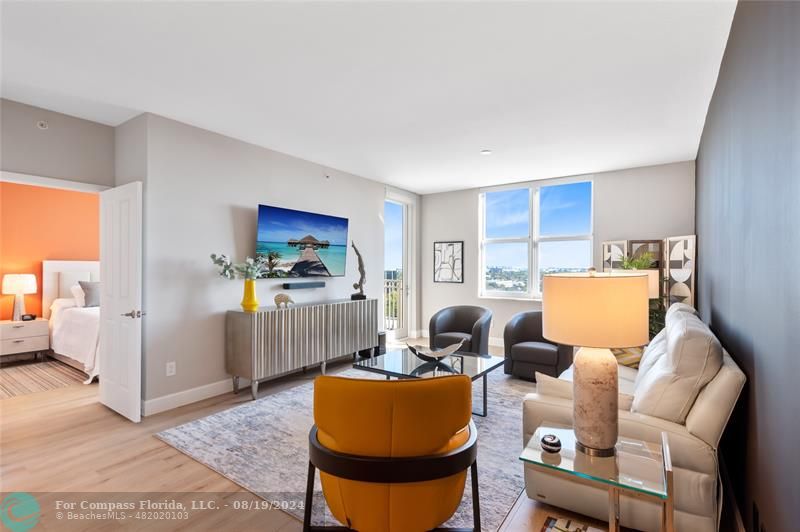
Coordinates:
(748,236)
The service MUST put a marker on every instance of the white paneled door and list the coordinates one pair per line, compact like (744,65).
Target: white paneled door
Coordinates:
(121,300)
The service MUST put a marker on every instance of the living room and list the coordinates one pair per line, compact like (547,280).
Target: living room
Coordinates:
(398,266)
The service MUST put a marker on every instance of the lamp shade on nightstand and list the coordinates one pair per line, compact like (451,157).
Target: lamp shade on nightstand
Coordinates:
(19,284)
(596,311)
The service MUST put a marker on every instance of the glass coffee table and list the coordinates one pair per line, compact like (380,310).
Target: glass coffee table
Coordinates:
(403,364)
(640,469)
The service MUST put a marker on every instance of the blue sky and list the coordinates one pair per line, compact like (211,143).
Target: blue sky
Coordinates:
(276,224)
(393,228)
(563,209)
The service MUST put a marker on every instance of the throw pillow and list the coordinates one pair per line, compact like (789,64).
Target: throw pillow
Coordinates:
(91,293)
(78,295)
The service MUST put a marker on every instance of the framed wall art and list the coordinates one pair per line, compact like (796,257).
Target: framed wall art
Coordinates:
(637,248)
(448,262)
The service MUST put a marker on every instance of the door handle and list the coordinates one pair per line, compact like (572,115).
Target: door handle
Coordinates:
(133,314)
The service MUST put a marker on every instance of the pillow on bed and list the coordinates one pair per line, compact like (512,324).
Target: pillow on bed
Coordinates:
(78,296)
(66,280)
(91,293)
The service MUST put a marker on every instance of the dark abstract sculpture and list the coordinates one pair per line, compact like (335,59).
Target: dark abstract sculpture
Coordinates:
(362,275)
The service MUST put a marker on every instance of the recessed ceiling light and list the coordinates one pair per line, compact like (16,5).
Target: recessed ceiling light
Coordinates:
(486,152)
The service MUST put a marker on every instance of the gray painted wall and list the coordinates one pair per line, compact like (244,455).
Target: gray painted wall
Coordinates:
(644,203)
(748,227)
(71,148)
(201,196)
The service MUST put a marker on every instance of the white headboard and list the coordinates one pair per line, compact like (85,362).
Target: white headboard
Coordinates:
(51,279)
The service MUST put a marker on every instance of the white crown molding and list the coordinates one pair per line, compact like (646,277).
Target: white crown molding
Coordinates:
(50,182)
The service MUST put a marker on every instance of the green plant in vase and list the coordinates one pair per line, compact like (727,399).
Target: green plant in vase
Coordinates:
(643,261)
(249,270)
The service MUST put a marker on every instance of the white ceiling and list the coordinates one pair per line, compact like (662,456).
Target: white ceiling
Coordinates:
(407,93)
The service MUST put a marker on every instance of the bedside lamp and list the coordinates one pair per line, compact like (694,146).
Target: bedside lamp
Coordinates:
(595,311)
(19,284)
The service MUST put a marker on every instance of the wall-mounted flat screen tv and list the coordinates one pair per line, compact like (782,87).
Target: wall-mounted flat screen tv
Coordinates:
(301,244)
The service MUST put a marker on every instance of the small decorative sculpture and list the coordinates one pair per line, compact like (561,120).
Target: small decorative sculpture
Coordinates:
(431,354)
(363,276)
(283,299)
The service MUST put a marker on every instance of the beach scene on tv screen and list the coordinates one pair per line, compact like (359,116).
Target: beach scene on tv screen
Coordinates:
(301,244)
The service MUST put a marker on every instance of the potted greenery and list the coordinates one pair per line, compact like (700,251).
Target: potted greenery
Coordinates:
(644,261)
(249,270)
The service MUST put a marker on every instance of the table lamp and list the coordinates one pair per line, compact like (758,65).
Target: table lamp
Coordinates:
(19,284)
(595,311)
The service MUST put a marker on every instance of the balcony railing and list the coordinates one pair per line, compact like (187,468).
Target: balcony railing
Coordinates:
(394,311)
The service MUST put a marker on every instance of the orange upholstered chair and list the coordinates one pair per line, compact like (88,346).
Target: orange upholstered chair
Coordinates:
(393,455)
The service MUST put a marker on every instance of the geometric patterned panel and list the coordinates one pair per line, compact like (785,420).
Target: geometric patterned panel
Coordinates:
(680,269)
(614,251)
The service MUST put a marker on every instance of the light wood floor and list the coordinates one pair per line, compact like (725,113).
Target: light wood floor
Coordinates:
(64,440)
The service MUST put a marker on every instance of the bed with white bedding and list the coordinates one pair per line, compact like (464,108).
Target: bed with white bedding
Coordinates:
(74,328)
(75,334)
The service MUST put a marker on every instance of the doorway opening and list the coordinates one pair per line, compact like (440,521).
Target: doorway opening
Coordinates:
(58,240)
(50,269)
(395,279)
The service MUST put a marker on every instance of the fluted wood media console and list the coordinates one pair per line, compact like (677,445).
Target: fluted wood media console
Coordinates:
(275,341)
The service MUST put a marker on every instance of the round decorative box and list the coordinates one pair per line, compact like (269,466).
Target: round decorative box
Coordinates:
(551,443)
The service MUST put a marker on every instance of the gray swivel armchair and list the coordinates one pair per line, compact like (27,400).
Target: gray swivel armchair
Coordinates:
(469,323)
(528,352)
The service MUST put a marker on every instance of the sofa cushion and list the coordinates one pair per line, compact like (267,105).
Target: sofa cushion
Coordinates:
(693,356)
(654,350)
(625,377)
(449,338)
(676,308)
(552,387)
(535,353)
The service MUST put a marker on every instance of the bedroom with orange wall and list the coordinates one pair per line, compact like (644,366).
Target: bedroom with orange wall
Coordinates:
(39,223)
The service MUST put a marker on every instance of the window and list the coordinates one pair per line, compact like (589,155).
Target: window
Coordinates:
(505,246)
(537,229)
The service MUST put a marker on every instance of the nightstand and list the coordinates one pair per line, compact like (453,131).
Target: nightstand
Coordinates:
(24,336)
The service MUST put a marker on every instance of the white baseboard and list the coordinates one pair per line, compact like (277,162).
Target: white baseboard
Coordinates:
(185,397)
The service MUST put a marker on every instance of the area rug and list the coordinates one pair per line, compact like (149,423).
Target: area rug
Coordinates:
(23,378)
(263,447)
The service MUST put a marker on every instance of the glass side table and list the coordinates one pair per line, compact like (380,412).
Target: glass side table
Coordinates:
(639,469)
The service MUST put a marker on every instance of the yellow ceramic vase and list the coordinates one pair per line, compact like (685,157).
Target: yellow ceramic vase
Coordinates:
(249,299)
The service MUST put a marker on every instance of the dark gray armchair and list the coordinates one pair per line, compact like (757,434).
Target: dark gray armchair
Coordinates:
(527,351)
(465,322)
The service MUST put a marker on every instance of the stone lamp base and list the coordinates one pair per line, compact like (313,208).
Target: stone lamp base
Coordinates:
(595,401)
